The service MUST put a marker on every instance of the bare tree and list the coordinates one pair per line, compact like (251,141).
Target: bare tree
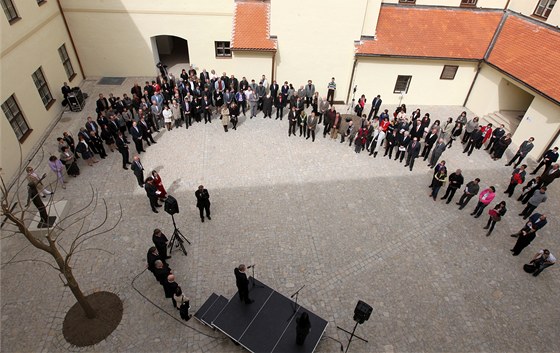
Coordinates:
(19,215)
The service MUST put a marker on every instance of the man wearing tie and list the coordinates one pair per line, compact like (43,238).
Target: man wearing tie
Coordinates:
(123,150)
(412,153)
(138,170)
(92,125)
(375,105)
(137,137)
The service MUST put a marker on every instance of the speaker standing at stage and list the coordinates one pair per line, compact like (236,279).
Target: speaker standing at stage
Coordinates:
(242,282)
(203,202)
(152,193)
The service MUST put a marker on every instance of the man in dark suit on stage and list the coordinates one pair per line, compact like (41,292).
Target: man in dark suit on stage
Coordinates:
(413,150)
(242,283)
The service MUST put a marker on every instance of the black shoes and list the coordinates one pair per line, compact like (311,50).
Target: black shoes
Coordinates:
(210,218)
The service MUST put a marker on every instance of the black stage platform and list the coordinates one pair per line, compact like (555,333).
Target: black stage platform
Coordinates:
(267,325)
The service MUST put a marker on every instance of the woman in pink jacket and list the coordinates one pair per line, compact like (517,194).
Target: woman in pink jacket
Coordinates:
(484,199)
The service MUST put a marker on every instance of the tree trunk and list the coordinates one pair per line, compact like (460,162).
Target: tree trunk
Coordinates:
(66,271)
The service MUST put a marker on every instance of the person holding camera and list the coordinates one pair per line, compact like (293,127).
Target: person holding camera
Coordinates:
(542,260)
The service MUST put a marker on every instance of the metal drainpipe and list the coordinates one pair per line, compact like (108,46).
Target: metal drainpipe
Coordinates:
(479,66)
(351,79)
(71,39)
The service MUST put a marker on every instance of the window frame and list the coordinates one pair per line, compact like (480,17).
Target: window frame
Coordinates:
(16,119)
(448,77)
(10,11)
(468,3)
(546,9)
(407,84)
(66,62)
(222,49)
(43,87)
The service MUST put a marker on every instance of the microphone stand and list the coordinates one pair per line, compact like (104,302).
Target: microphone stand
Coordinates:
(296,294)
(253,275)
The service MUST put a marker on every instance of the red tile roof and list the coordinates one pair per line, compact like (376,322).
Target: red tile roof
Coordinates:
(432,32)
(251,26)
(529,52)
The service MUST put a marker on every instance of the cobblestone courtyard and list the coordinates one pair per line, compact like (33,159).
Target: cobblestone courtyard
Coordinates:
(346,225)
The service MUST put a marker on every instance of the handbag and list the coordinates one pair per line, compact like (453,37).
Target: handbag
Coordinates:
(494,215)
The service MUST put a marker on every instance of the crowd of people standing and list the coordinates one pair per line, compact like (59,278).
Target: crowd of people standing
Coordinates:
(168,102)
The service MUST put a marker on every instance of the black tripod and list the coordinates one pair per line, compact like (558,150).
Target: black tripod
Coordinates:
(177,239)
(352,335)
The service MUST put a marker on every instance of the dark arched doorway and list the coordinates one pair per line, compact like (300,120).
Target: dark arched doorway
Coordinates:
(172,51)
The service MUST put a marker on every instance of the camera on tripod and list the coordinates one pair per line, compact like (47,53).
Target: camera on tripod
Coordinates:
(177,239)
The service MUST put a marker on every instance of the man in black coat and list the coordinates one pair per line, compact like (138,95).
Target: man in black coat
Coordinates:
(429,141)
(151,258)
(413,151)
(161,271)
(496,135)
(203,202)
(170,287)
(548,158)
(102,103)
(242,283)
(403,141)
(138,170)
(123,150)
(136,133)
(146,132)
(160,241)
(375,105)
(455,181)
(152,193)
(474,140)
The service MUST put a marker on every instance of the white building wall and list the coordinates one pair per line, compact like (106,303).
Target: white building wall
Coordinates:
(527,8)
(378,76)
(371,17)
(541,120)
(28,44)
(317,41)
(114,37)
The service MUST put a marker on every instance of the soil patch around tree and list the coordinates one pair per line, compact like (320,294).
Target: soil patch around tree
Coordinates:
(81,331)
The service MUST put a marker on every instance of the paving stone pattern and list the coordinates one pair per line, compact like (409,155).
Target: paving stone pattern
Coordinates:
(346,225)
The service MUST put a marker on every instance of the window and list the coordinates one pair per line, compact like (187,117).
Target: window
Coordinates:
(41,2)
(42,88)
(407,1)
(448,72)
(66,62)
(15,118)
(10,10)
(468,3)
(402,84)
(222,49)
(544,7)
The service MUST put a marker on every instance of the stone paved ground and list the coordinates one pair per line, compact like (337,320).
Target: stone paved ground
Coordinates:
(347,226)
